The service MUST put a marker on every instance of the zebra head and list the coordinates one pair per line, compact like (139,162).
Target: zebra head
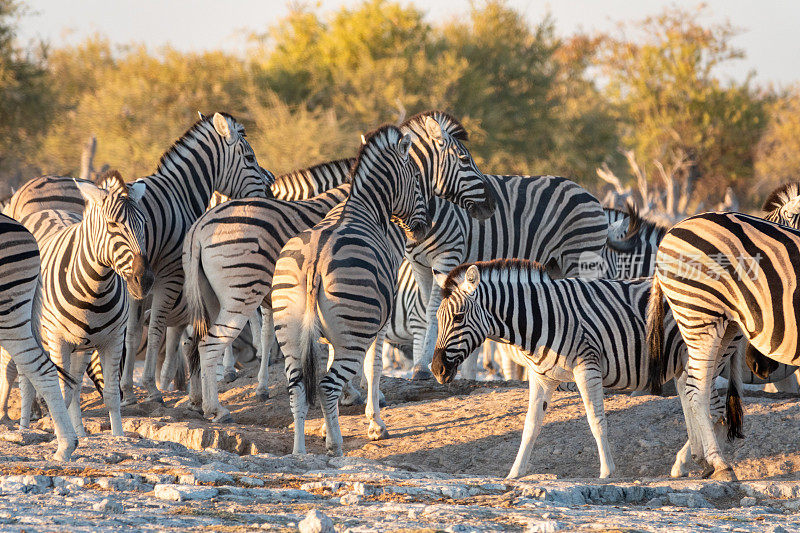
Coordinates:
(116,230)
(386,152)
(783,205)
(238,174)
(463,322)
(449,170)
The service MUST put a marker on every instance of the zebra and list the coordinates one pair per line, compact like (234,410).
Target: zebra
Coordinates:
(222,294)
(591,332)
(545,218)
(338,281)
(213,154)
(307,183)
(89,265)
(721,273)
(20,310)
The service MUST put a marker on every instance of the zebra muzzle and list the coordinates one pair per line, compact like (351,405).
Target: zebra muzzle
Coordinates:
(141,279)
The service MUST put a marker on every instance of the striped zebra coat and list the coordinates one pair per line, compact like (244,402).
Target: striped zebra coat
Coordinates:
(20,309)
(212,155)
(547,219)
(89,264)
(722,273)
(221,294)
(591,332)
(338,281)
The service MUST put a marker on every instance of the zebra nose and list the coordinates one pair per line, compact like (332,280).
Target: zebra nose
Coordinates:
(142,278)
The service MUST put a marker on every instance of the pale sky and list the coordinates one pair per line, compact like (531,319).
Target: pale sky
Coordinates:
(770,39)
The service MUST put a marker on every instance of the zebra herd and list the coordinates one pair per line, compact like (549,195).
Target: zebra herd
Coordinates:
(409,243)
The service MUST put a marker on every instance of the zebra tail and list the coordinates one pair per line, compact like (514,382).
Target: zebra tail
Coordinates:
(193,291)
(36,321)
(309,339)
(734,412)
(655,338)
(629,243)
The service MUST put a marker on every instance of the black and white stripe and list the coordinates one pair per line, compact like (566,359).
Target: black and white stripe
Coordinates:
(591,332)
(212,155)
(89,265)
(338,281)
(20,308)
(722,273)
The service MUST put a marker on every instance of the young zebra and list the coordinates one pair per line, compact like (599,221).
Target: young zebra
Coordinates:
(721,273)
(222,295)
(591,332)
(212,155)
(547,219)
(20,308)
(338,281)
(89,264)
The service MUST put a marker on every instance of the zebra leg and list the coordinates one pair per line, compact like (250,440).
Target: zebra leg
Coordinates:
(80,361)
(372,369)
(172,357)
(267,334)
(111,358)
(589,380)
(423,357)
(342,370)
(133,338)
(469,368)
(228,363)
(156,332)
(8,373)
(33,366)
(539,393)
(224,330)
(704,351)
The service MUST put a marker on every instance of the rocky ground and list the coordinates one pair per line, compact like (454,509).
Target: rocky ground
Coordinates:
(441,469)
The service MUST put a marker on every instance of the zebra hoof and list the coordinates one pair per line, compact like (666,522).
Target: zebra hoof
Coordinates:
(262,395)
(223,418)
(707,471)
(724,474)
(229,376)
(382,402)
(128,399)
(64,453)
(421,374)
(156,397)
(377,433)
(336,452)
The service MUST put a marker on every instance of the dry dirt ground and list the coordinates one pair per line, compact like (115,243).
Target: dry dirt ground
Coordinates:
(472,429)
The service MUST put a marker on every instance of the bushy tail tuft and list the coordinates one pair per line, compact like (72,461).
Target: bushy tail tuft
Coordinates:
(655,338)
(308,340)
(195,281)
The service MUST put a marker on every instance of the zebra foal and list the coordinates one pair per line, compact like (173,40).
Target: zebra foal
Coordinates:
(20,340)
(591,332)
(338,281)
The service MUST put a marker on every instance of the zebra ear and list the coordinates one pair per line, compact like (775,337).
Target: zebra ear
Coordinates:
(405,146)
(439,278)
(471,279)
(202,116)
(222,127)
(792,207)
(434,129)
(136,190)
(92,194)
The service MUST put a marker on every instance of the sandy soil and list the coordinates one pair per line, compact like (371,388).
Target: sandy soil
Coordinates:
(474,428)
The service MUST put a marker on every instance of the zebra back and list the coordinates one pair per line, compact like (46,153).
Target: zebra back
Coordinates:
(309,182)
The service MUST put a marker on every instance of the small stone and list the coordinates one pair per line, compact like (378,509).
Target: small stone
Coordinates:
(316,522)
(201,475)
(350,499)
(251,481)
(776,529)
(748,501)
(107,506)
(656,502)
(542,526)
(160,479)
(687,499)
(180,493)
(60,491)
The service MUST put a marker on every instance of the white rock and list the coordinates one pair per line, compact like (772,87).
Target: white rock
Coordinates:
(747,501)
(542,526)
(251,481)
(316,522)
(201,475)
(107,506)
(350,499)
(181,493)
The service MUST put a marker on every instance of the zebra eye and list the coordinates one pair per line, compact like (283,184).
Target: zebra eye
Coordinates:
(464,157)
(458,317)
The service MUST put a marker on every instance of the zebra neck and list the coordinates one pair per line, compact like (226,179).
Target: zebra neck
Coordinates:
(371,204)
(82,265)
(187,183)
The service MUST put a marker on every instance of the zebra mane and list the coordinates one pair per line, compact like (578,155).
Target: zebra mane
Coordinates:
(490,267)
(781,196)
(365,145)
(111,180)
(349,161)
(449,123)
(193,133)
